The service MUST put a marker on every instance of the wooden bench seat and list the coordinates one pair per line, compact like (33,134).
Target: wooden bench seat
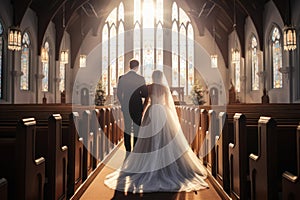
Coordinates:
(19,165)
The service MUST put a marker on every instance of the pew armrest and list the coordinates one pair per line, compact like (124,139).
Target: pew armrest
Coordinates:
(64,148)
(289,176)
(39,161)
(253,157)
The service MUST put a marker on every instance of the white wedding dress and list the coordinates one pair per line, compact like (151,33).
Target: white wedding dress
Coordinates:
(162,160)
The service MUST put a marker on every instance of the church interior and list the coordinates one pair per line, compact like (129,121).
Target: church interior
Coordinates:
(232,67)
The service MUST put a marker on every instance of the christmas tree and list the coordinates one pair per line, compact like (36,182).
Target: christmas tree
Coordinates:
(197,94)
(100,94)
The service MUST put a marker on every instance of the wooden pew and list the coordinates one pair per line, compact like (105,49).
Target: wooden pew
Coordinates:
(108,138)
(104,142)
(25,173)
(222,149)
(263,166)
(41,112)
(238,159)
(97,137)
(195,130)
(120,127)
(3,189)
(56,161)
(75,155)
(204,128)
(87,135)
(290,182)
(210,140)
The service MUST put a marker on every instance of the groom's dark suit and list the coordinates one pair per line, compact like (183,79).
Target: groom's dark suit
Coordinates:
(131,89)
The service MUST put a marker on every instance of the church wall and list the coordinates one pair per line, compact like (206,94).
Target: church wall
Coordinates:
(6,19)
(50,95)
(92,47)
(251,96)
(218,77)
(29,24)
(233,42)
(272,17)
(296,22)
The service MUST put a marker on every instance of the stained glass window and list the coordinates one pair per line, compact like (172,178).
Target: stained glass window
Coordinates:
(45,70)
(254,64)
(121,43)
(237,74)
(62,76)
(1,57)
(175,53)
(182,46)
(190,44)
(105,43)
(276,58)
(159,47)
(183,56)
(25,62)
(113,48)
(148,43)
(148,40)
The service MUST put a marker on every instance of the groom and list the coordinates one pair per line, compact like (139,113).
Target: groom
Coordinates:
(131,89)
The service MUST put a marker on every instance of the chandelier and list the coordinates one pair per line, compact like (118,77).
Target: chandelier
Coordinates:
(44,55)
(82,61)
(235,53)
(214,56)
(64,53)
(289,38)
(214,60)
(64,56)
(289,32)
(14,39)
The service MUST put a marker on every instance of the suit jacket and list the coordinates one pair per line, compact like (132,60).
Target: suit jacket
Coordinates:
(130,91)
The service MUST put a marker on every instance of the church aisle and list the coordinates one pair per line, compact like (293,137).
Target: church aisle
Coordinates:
(98,191)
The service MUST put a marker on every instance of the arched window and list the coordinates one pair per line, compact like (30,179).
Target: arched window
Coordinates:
(25,62)
(62,76)
(1,57)
(237,73)
(182,49)
(276,57)
(113,48)
(254,65)
(45,69)
(148,36)
(148,43)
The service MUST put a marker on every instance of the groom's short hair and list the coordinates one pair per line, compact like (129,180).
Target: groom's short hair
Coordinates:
(133,63)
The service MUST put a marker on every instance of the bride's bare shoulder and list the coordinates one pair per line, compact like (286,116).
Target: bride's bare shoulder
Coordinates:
(157,87)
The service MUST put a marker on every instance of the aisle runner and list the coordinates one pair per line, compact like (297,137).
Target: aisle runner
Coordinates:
(98,191)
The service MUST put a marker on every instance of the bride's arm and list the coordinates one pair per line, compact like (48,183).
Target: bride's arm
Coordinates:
(147,99)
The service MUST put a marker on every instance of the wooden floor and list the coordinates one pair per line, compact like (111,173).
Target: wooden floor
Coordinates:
(98,191)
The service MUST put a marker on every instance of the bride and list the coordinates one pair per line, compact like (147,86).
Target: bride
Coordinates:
(162,160)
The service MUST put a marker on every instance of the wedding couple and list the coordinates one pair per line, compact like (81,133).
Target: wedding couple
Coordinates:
(161,160)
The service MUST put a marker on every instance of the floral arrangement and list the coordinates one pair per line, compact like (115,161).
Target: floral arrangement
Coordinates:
(197,94)
(100,94)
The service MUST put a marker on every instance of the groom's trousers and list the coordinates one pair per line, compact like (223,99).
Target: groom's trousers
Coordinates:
(132,125)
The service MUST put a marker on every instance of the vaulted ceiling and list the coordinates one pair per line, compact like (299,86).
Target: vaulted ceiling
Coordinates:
(210,14)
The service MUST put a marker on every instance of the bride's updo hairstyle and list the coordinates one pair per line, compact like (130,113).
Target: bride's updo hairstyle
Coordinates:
(157,76)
